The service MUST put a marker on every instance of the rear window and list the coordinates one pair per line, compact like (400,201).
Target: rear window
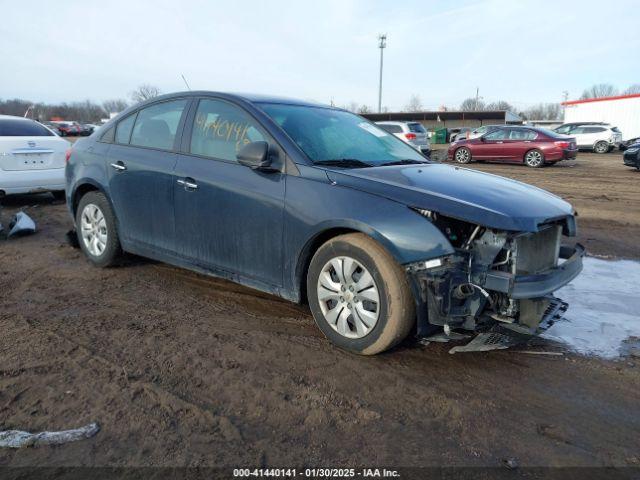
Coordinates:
(615,129)
(22,128)
(416,128)
(390,128)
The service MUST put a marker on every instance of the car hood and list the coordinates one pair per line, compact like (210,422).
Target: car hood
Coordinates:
(476,197)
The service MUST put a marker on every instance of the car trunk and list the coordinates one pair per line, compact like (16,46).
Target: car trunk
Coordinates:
(31,153)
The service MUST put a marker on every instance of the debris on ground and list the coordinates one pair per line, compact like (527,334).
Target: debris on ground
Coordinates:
(510,463)
(21,224)
(20,439)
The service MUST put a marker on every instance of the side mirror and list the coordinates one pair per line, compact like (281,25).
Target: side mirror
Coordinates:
(255,155)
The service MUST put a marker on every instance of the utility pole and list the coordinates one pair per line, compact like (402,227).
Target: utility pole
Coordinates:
(477,97)
(382,45)
(565,97)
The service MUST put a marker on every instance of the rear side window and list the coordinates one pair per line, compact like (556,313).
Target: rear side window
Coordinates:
(593,129)
(221,129)
(123,130)
(108,136)
(615,129)
(156,126)
(416,128)
(519,134)
(22,128)
(390,128)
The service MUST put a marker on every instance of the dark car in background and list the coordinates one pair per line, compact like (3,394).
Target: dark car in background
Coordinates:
(631,156)
(535,147)
(316,204)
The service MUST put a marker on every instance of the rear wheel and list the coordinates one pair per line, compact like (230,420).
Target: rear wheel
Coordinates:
(462,155)
(601,147)
(97,231)
(359,295)
(534,158)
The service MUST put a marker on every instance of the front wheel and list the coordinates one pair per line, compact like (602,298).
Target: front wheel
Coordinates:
(463,155)
(601,147)
(97,231)
(359,295)
(534,159)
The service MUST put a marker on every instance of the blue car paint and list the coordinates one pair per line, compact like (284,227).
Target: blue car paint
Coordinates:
(274,219)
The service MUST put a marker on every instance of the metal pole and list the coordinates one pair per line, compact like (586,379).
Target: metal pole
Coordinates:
(477,96)
(381,46)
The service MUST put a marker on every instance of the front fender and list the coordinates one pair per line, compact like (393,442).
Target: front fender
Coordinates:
(317,210)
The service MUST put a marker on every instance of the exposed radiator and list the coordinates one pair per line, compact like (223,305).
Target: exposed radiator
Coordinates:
(539,251)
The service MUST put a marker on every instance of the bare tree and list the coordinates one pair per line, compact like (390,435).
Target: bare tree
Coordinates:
(635,88)
(352,107)
(470,104)
(500,105)
(364,109)
(144,92)
(599,90)
(115,105)
(414,105)
(543,111)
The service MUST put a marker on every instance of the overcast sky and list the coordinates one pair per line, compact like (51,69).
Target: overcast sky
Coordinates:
(520,51)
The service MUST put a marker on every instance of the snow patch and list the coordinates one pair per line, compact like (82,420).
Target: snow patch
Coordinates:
(604,308)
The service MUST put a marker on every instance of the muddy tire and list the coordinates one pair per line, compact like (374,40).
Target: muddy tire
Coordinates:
(97,230)
(359,295)
(601,147)
(462,155)
(534,159)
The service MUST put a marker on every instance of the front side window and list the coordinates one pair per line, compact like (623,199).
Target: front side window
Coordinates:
(123,130)
(19,127)
(221,129)
(326,134)
(497,135)
(156,126)
(563,129)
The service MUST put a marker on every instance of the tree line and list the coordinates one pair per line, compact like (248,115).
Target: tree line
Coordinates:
(83,112)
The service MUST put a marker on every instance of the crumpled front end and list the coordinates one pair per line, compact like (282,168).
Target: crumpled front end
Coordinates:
(495,278)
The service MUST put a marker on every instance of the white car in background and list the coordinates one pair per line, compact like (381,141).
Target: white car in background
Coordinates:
(412,133)
(32,157)
(601,138)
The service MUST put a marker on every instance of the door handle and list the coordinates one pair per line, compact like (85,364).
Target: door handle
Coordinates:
(119,166)
(527,141)
(188,183)
(499,142)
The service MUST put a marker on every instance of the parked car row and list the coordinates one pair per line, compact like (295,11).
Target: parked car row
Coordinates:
(69,128)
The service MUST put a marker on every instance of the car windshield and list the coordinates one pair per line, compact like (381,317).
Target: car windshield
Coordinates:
(330,135)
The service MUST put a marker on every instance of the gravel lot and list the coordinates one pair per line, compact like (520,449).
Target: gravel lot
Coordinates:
(182,369)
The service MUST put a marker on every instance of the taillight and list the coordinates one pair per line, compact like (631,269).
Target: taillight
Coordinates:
(67,155)
(562,144)
(410,136)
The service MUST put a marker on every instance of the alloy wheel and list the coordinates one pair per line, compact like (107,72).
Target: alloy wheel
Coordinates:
(93,228)
(463,155)
(349,297)
(601,147)
(534,158)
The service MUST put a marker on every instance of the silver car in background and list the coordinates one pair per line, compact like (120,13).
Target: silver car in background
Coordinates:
(412,133)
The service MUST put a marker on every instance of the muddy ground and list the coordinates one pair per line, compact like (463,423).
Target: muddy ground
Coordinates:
(181,369)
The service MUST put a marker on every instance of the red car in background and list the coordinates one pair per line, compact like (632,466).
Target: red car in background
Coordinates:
(534,147)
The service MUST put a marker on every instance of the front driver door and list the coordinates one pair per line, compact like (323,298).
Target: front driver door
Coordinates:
(228,216)
(490,146)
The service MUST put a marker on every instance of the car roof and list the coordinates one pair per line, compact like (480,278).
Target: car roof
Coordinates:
(247,97)
(15,117)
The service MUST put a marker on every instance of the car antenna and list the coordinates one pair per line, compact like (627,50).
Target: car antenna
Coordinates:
(185,82)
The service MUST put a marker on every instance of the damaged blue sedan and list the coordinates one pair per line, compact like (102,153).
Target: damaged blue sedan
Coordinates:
(318,205)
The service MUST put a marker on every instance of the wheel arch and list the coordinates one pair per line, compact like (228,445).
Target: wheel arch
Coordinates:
(83,187)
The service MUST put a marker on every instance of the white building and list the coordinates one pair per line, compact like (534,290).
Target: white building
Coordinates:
(621,111)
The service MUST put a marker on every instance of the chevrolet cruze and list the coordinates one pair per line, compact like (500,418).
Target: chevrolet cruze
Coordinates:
(318,205)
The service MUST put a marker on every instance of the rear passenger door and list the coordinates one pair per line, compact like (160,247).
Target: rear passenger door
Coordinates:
(228,216)
(140,165)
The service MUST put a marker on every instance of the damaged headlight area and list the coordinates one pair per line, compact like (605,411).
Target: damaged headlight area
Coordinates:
(494,277)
